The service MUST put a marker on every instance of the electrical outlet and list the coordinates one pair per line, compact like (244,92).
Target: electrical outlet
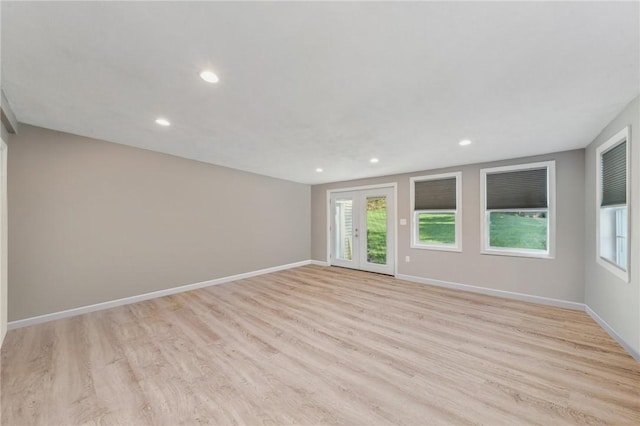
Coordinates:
(403,222)
(407,259)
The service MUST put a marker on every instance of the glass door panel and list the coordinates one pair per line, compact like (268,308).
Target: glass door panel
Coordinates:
(344,229)
(377,230)
(345,247)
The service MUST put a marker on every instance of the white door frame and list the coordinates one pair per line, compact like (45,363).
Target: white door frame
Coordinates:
(392,185)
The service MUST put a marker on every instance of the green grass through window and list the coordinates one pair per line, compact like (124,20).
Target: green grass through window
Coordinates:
(377,231)
(525,230)
(437,228)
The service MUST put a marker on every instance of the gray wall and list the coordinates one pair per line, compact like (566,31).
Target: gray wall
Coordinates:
(615,301)
(91,221)
(559,278)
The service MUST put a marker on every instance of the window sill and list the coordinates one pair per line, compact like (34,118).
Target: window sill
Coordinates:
(517,253)
(436,247)
(619,273)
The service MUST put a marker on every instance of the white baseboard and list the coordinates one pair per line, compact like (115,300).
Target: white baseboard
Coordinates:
(493,292)
(141,297)
(433,282)
(528,298)
(602,323)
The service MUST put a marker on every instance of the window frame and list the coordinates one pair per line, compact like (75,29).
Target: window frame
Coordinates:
(415,228)
(620,137)
(485,228)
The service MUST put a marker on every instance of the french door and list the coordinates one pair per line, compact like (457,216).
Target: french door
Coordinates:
(362,230)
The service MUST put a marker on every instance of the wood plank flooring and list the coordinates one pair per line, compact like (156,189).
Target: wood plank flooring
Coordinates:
(317,345)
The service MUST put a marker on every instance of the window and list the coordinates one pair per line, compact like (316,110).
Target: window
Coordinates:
(518,210)
(612,231)
(436,205)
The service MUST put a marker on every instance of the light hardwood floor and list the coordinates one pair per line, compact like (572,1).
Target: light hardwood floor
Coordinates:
(317,345)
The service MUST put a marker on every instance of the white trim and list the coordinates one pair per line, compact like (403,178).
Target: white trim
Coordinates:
(457,246)
(328,226)
(427,281)
(3,241)
(494,292)
(394,186)
(527,298)
(602,323)
(551,228)
(359,188)
(154,294)
(395,228)
(618,138)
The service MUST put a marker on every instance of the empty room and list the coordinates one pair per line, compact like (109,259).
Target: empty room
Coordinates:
(320,213)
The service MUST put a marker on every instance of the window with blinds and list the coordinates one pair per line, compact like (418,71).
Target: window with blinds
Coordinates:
(435,202)
(518,209)
(520,189)
(614,176)
(612,231)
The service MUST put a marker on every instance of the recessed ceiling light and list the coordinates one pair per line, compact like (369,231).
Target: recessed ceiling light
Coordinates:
(374,160)
(319,170)
(464,142)
(209,76)
(163,122)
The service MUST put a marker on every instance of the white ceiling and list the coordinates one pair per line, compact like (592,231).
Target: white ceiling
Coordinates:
(306,85)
